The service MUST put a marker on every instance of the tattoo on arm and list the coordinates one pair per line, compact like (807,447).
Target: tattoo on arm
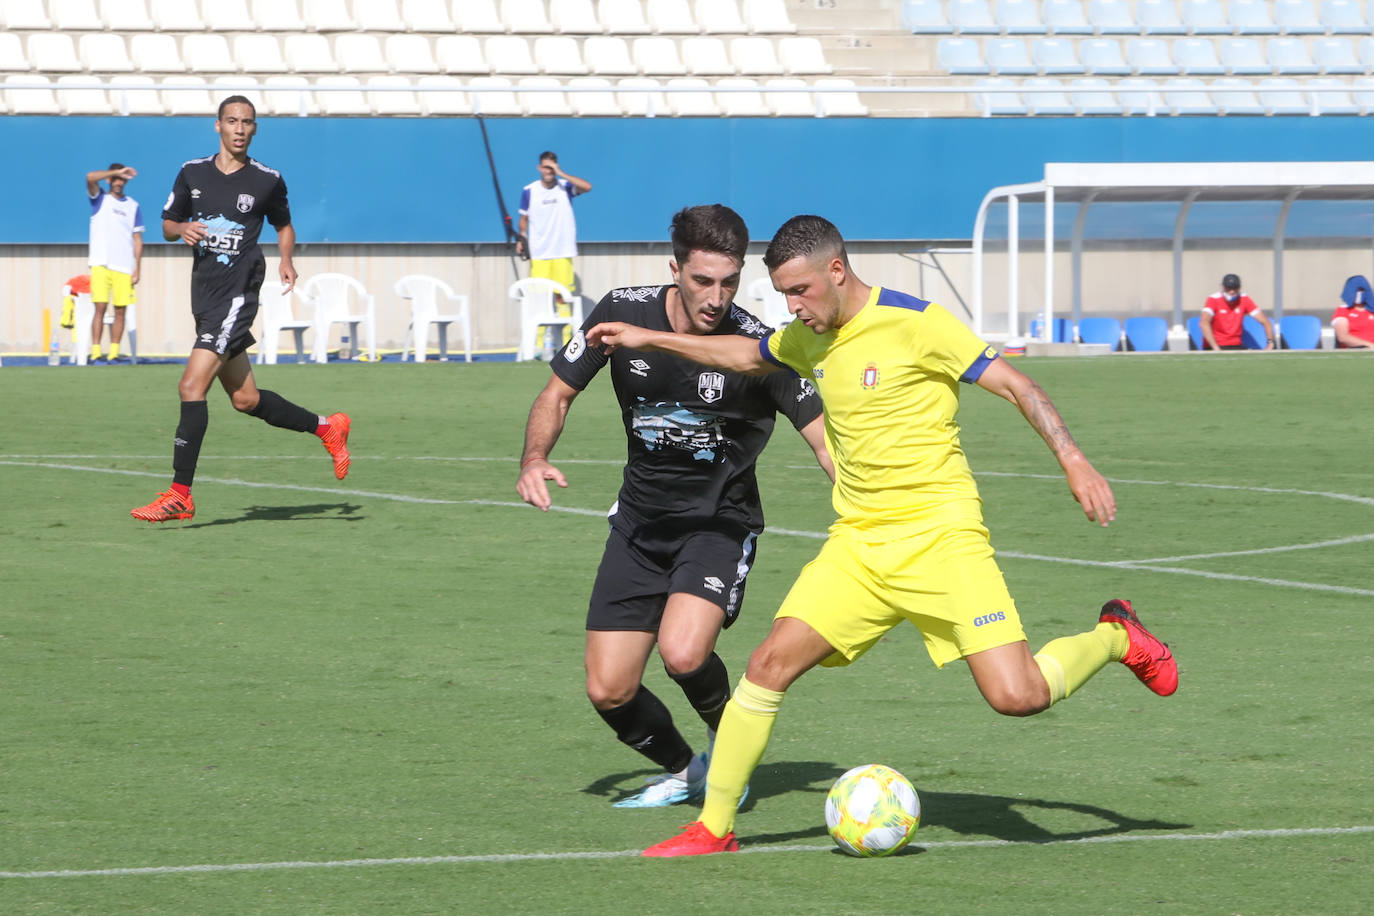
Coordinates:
(1045,419)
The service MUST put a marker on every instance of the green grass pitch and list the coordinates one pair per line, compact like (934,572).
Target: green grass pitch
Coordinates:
(366,696)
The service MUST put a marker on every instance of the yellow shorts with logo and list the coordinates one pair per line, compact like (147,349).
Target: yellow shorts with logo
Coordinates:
(559,270)
(943,579)
(111,286)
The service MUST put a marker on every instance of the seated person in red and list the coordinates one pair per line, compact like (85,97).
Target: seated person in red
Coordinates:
(1223,315)
(81,283)
(1353,321)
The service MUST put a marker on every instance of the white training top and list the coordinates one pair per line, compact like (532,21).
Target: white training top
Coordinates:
(552,228)
(113,224)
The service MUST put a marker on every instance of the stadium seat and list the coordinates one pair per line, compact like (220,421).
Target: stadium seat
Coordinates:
(102,52)
(398,99)
(477,16)
(1093,97)
(538,310)
(194,101)
(1008,57)
(1056,56)
(229,16)
(1140,96)
(1146,333)
(1188,103)
(52,52)
(802,55)
(422,292)
(609,55)
(1018,17)
(1335,55)
(1331,96)
(1062,330)
(209,53)
(1150,57)
(238,84)
(1300,332)
(445,96)
(525,16)
(768,17)
(999,96)
(1045,95)
(175,16)
(12,59)
(1289,56)
(574,17)
(327,16)
(1282,95)
(706,57)
(1252,334)
(643,98)
(342,95)
(925,17)
(75,15)
(1251,17)
(719,16)
(670,17)
(1100,331)
(1366,53)
(1362,93)
(839,104)
(559,54)
(289,96)
(77,96)
(767,304)
(155,54)
(788,100)
(1297,17)
(460,54)
(1102,57)
(961,56)
(1343,17)
(26,15)
(972,17)
(1202,17)
(276,306)
(691,104)
(1159,17)
(1195,333)
(135,95)
(377,16)
(1112,17)
(38,100)
(409,54)
(593,104)
(126,15)
(544,104)
(278,16)
(623,17)
(259,54)
(495,97)
(1236,96)
(1065,17)
(509,54)
(427,16)
(1243,57)
(309,54)
(744,101)
(1196,57)
(754,56)
(336,298)
(658,57)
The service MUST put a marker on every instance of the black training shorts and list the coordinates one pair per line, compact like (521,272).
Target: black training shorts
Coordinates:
(224,320)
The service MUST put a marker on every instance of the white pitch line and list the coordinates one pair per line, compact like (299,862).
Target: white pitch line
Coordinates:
(1314,545)
(1281,833)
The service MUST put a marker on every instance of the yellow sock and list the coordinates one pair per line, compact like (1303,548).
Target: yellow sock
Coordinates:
(1070,661)
(114,350)
(745,727)
(95,351)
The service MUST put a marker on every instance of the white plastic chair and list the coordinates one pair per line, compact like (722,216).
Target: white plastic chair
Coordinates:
(126,15)
(378,16)
(755,56)
(1159,17)
(340,299)
(622,17)
(574,17)
(538,309)
(772,305)
(559,54)
(154,54)
(26,14)
(593,104)
(228,16)
(670,17)
(259,54)
(327,16)
(53,52)
(706,57)
(510,54)
(103,53)
(525,16)
(75,15)
(76,96)
(719,16)
(278,16)
(449,100)
(277,313)
(427,15)
(767,16)
(176,16)
(410,54)
(972,17)
(609,55)
(423,292)
(478,16)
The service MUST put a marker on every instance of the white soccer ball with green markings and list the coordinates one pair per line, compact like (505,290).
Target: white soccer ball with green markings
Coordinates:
(872,811)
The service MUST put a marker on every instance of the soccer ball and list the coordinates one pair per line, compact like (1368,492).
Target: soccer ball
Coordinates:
(872,811)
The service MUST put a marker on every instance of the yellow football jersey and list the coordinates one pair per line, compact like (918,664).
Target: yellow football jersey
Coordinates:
(889,380)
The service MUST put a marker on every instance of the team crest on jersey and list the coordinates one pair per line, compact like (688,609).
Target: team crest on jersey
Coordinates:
(246,202)
(870,379)
(711,386)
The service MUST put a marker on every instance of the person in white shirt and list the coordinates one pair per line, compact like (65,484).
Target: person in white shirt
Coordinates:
(548,229)
(116,251)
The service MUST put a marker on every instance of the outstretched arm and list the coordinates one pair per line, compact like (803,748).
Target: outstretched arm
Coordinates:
(732,352)
(1089,487)
(814,434)
(547,416)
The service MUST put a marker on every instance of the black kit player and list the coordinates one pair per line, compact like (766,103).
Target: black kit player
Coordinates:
(217,206)
(684,525)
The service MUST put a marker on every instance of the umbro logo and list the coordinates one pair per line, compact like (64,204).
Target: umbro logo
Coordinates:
(639,367)
(195,193)
(714,584)
(818,373)
(206,338)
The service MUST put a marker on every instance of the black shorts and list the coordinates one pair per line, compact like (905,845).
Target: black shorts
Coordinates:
(632,586)
(224,320)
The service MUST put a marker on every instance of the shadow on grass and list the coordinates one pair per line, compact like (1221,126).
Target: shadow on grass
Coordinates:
(318,512)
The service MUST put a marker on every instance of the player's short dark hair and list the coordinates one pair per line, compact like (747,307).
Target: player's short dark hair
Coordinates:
(1230,281)
(548,154)
(116,166)
(709,227)
(235,100)
(805,237)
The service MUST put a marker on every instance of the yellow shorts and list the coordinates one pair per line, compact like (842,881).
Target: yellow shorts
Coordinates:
(559,270)
(944,580)
(111,286)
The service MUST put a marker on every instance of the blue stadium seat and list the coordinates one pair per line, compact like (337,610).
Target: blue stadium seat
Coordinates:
(1300,332)
(1140,96)
(1102,57)
(961,56)
(1289,56)
(1342,17)
(1008,57)
(1062,330)
(1100,331)
(1019,17)
(1112,17)
(1252,333)
(1251,17)
(972,17)
(1188,103)
(1046,96)
(1158,17)
(1065,17)
(925,17)
(1331,96)
(1336,55)
(1283,95)
(1195,332)
(1197,57)
(1243,57)
(1204,17)
(1001,97)
(1146,333)
(1297,17)
(1367,53)
(1362,92)
(1094,97)
(1235,96)
(1054,56)
(1150,57)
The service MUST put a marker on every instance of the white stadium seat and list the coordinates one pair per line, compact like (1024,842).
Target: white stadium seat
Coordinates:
(494,101)
(787,98)
(544,104)
(1366,53)
(135,95)
(427,16)
(1202,17)
(1008,57)
(1289,56)
(1236,96)
(961,57)
(477,16)
(644,99)
(691,104)
(175,16)
(925,17)
(754,56)
(1150,57)
(972,17)
(12,59)
(194,102)
(126,15)
(593,103)
(52,52)
(574,17)
(25,15)
(38,100)
(1362,92)
(460,54)
(839,104)
(1252,17)
(609,55)
(208,54)
(359,54)
(345,98)
(559,54)
(1112,17)
(706,57)
(237,84)
(76,99)
(657,56)
(802,55)
(75,15)
(1102,56)
(1065,17)
(1046,96)
(378,16)
(1188,103)
(622,17)
(509,54)
(999,96)
(671,17)
(1140,96)
(1018,17)
(1343,17)
(1283,95)
(525,16)
(1242,57)
(719,16)
(289,96)
(104,52)
(309,54)
(156,54)
(1336,55)
(401,100)
(259,54)
(768,17)
(327,16)
(1056,56)
(409,54)
(446,96)
(1159,17)
(744,101)
(1197,57)
(1093,96)
(278,16)
(229,16)
(1329,95)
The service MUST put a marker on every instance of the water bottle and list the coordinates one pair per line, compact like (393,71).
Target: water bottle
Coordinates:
(54,356)
(345,351)
(550,343)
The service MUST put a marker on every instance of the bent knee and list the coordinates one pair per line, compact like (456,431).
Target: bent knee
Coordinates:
(604,695)
(244,403)
(1026,702)
(679,661)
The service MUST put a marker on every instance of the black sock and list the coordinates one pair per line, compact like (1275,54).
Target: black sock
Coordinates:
(195,419)
(645,724)
(707,689)
(278,411)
